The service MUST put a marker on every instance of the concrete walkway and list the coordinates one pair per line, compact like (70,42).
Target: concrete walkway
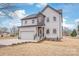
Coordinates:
(14,41)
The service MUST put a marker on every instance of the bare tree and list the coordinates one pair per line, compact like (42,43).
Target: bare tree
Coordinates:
(66,32)
(14,31)
(5,29)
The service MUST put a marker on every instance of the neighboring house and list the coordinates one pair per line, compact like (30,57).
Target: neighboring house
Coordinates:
(4,34)
(45,24)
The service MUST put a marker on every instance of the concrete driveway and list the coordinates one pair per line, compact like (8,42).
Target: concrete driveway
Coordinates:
(14,41)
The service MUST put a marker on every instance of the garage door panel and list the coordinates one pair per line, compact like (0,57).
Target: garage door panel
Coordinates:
(27,35)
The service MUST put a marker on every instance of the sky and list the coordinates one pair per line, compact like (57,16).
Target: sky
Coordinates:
(17,11)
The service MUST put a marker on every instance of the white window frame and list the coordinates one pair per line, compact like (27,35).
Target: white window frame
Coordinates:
(54,31)
(54,18)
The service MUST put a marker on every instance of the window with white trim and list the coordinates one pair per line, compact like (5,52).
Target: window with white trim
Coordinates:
(25,22)
(32,21)
(54,18)
(47,19)
(54,31)
(47,31)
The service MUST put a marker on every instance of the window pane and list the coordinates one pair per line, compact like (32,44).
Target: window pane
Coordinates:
(54,31)
(47,19)
(32,21)
(54,18)
(25,22)
(47,31)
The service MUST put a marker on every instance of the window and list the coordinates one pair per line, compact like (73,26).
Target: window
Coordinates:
(54,31)
(47,31)
(54,18)
(47,19)
(25,22)
(32,21)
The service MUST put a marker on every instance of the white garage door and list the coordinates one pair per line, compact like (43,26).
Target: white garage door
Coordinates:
(27,35)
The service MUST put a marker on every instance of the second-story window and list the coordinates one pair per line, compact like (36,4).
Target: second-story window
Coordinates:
(32,21)
(47,19)
(54,18)
(25,22)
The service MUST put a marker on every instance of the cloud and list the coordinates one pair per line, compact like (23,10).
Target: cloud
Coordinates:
(41,5)
(30,3)
(38,4)
(18,14)
(77,20)
(14,22)
(67,25)
(2,14)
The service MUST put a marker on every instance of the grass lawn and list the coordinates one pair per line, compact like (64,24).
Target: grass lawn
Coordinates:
(67,46)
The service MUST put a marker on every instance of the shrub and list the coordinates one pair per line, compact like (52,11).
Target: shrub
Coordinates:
(74,33)
(12,35)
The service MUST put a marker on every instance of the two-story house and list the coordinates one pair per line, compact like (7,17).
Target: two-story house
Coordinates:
(45,24)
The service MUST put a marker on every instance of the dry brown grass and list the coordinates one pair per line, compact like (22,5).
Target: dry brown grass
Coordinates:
(67,46)
(8,37)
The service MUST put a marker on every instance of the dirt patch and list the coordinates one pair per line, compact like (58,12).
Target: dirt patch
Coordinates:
(67,46)
(1,46)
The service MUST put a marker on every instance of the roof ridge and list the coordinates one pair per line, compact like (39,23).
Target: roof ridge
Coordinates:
(51,8)
(35,15)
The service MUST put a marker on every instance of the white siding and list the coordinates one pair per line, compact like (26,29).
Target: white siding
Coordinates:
(29,32)
(52,24)
(28,29)
(29,22)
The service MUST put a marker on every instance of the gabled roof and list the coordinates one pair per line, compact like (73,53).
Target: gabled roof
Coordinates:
(58,11)
(36,15)
(32,16)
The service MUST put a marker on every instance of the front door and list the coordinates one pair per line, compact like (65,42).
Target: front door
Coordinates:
(41,31)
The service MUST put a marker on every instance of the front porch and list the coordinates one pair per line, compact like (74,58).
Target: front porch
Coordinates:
(39,33)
